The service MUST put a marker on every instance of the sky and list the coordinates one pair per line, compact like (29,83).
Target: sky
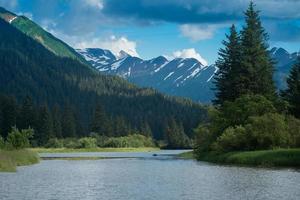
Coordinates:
(150,28)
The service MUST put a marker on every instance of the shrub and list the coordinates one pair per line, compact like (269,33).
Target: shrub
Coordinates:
(232,139)
(268,131)
(19,139)
(293,125)
(203,139)
(71,143)
(2,143)
(54,143)
(88,142)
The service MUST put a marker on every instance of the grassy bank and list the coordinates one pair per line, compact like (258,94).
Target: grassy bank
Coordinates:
(68,150)
(187,155)
(9,160)
(267,158)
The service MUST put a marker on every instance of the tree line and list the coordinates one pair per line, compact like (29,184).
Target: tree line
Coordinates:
(248,112)
(65,88)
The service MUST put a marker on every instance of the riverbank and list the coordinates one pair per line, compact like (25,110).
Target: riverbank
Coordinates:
(9,160)
(67,150)
(266,158)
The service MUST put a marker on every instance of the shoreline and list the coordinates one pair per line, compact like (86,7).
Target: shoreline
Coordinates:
(98,149)
(261,158)
(11,159)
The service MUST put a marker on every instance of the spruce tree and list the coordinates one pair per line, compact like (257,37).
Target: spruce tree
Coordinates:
(100,121)
(45,127)
(27,115)
(292,93)
(56,118)
(227,87)
(9,111)
(68,122)
(257,68)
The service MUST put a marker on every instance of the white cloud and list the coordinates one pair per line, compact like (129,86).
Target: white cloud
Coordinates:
(113,43)
(26,14)
(200,31)
(94,3)
(189,53)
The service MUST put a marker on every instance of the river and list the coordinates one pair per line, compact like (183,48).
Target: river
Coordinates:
(142,176)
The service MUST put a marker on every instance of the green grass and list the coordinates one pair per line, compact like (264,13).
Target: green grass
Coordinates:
(9,160)
(186,155)
(67,150)
(266,158)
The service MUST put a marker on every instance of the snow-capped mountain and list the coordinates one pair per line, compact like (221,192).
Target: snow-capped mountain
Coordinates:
(186,77)
(284,61)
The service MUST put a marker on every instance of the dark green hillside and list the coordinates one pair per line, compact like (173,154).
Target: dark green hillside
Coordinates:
(33,30)
(27,68)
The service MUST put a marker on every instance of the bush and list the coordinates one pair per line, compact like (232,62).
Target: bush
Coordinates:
(55,143)
(203,139)
(268,131)
(2,143)
(19,139)
(88,142)
(232,139)
(134,141)
(293,126)
(71,143)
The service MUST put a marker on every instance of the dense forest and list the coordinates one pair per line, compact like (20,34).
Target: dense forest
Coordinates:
(248,113)
(61,97)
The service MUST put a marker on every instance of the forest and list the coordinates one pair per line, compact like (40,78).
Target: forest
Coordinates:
(61,97)
(249,113)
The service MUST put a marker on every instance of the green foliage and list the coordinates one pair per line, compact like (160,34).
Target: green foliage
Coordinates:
(268,131)
(232,139)
(203,139)
(88,142)
(292,93)
(55,143)
(2,142)
(129,141)
(19,139)
(30,69)
(293,126)
(229,62)
(71,143)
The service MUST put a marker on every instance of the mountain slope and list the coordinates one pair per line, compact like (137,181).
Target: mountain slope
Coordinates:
(28,68)
(180,77)
(33,30)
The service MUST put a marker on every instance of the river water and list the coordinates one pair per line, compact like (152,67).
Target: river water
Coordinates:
(142,176)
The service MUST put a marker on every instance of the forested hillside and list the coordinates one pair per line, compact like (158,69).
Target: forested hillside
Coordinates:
(30,71)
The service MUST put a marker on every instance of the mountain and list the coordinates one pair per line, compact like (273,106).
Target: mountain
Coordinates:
(179,77)
(284,61)
(28,68)
(186,77)
(34,31)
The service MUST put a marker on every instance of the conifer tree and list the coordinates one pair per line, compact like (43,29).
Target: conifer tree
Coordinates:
(9,111)
(292,93)
(100,121)
(45,126)
(27,115)
(68,122)
(257,68)
(56,118)
(227,87)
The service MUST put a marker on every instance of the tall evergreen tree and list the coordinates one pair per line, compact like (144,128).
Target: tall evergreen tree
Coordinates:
(292,93)
(45,126)
(68,122)
(100,121)
(27,115)
(257,68)
(229,61)
(9,110)
(56,118)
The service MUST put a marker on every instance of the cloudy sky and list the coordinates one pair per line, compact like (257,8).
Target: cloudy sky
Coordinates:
(149,28)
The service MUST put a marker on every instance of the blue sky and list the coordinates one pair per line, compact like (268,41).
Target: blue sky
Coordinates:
(149,28)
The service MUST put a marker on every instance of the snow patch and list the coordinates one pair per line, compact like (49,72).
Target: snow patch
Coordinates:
(170,74)
(12,19)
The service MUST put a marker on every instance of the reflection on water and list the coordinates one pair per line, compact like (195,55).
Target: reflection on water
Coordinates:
(145,177)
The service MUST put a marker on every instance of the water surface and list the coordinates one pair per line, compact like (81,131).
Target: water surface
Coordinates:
(145,177)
